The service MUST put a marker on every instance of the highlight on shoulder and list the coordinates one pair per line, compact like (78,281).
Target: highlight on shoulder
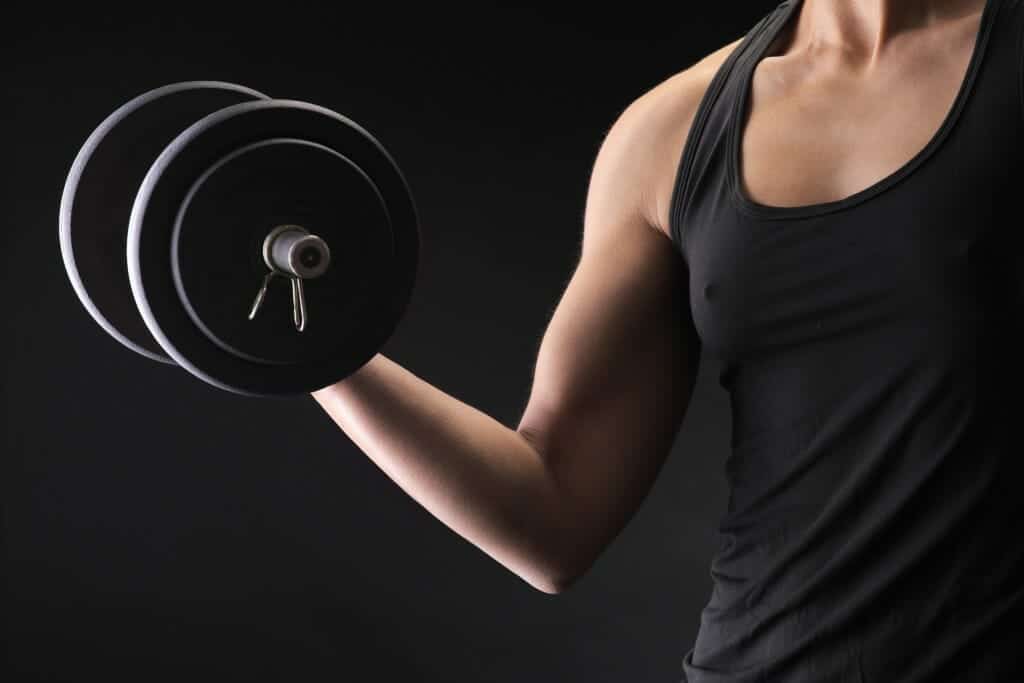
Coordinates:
(647,138)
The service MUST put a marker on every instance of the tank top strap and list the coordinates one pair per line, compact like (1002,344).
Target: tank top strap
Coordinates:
(993,116)
(712,113)
(1014,27)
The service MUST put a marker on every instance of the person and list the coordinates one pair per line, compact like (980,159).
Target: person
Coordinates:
(825,204)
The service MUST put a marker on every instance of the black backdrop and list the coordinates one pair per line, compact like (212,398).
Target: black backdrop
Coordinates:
(155,528)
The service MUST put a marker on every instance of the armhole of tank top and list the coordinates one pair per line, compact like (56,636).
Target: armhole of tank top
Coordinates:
(693,135)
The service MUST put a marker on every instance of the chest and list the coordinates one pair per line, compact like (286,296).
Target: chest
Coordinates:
(808,137)
(902,189)
(936,253)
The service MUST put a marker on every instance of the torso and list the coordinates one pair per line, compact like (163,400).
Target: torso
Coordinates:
(865,318)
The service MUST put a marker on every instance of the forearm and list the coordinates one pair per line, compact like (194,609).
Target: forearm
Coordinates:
(482,479)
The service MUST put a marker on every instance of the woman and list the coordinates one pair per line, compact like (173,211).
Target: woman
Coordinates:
(818,204)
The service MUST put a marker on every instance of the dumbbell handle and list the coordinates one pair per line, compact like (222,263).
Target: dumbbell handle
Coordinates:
(291,250)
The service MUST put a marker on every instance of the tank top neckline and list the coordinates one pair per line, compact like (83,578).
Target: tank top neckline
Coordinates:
(762,42)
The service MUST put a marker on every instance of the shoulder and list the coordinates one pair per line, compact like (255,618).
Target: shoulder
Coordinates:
(645,142)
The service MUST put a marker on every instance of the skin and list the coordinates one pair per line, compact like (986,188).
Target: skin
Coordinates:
(617,364)
(882,73)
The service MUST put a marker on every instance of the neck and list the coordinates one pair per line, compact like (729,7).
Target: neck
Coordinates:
(863,29)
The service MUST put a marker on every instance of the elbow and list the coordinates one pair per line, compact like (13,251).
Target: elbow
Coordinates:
(550,585)
(556,582)
(568,558)
(555,586)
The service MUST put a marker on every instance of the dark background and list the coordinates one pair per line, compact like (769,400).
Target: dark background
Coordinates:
(156,528)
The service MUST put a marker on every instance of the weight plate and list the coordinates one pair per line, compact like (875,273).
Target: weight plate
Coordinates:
(208,191)
(100,189)
(217,250)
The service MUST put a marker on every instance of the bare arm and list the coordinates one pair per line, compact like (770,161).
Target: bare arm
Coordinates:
(612,382)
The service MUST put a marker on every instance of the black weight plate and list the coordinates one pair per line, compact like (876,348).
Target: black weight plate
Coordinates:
(384,294)
(101,186)
(217,245)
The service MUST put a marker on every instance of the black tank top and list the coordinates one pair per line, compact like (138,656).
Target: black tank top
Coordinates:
(871,348)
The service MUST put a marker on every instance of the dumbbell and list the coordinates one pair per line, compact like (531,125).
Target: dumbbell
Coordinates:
(267,246)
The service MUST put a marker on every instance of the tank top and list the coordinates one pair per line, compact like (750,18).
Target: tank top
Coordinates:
(871,350)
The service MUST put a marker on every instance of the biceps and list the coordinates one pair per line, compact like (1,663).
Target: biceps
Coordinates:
(614,375)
